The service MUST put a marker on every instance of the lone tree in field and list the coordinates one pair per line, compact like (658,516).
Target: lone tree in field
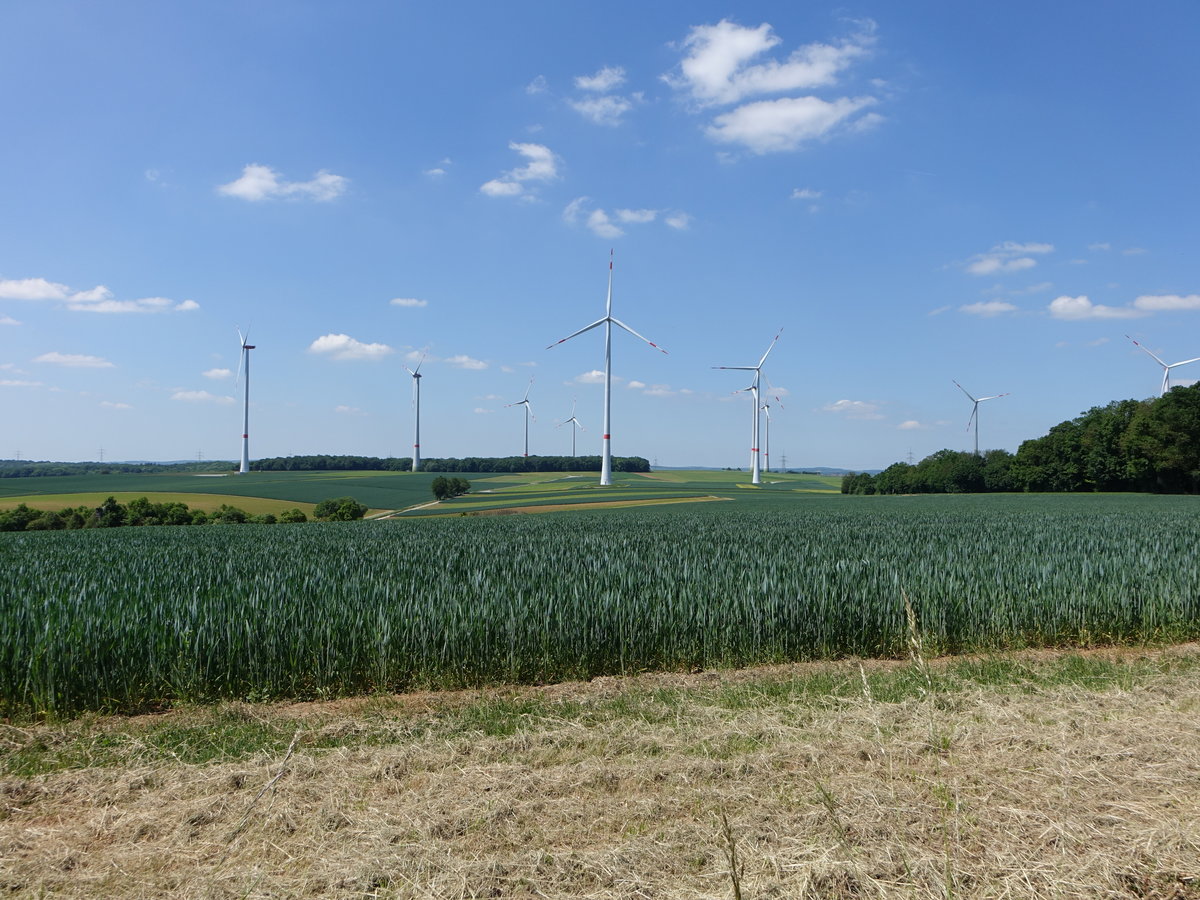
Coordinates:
(444,488)
(339,509)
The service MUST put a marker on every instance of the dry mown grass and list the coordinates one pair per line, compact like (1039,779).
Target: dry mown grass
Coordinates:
(622,788)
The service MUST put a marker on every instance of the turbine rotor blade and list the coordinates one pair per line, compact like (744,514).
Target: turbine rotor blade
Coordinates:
(1184,363)
(770,348)
(621,324)
(996,397)
(577,333)
(964,390)
(1152,356)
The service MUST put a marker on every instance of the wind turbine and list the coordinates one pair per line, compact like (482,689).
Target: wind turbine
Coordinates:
(766,408)
(975,411)
(524,401)
(1167,367)
(244,366)
(416,376)
(576,426)
(755,478)
(608,322)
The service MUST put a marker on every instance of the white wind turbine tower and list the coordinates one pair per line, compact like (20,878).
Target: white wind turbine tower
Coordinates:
(244,368)
(766,408)
(608,322)
(975,411)
(1167,367)
(524,401)
(416,376)
(575,424)
(755,477)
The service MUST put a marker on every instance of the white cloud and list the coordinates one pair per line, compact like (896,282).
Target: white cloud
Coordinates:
(259,182)
(1133,251)
(74,360)
(1167,302)
(1099,247)
(573,209)
(606,110)
(661,390)
(344,347)
(776,126)
(542,165)
(218,373)
(537,86)
(601,225)
(596,376)
(938,311)
(498,188)
(633,385)
(201,397)
(462,361)
(110,405)
(637,215)
(8,320)
(988,308)
(348,411)
(98,301)
(408,302)
(911,425)
(1008,256)
(479,410)
(1078,308)
(716,69)
(33,289)
(805,194)
(10,382)
(435,172)
(854,409)
(679,220)
(603,81)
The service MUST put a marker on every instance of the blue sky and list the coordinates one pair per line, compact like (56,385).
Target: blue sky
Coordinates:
(914,192)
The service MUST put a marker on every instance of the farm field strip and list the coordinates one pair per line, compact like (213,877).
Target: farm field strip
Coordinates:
(131,618)
(206,502)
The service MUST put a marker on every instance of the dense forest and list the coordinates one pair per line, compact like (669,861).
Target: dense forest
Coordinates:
(25,468)
(1128,445)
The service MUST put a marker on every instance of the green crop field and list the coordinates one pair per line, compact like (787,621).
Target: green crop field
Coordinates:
(130,618)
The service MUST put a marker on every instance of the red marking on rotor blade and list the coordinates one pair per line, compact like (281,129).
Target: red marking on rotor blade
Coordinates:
(244,436)
(607,437)
(753,449)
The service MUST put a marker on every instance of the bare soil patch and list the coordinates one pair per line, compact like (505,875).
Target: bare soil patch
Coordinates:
(623,788)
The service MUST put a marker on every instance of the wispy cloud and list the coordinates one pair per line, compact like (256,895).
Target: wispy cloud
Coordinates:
(348,411)
(541,165)
(1167,302)
(1007,257)
(1079,308)
(217,374)
(988,308)
(408,302)
(258,182)
(344,347)
(602,224)
(108,404)
(74,360)
(911,425)
(201,397)
(8,320)
(98,299)
(18,382)
(853,409)
(462,361)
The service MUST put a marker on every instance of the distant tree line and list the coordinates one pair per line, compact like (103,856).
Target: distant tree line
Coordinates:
(111,514)
(1128,445)
(23,468)
(450,464)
